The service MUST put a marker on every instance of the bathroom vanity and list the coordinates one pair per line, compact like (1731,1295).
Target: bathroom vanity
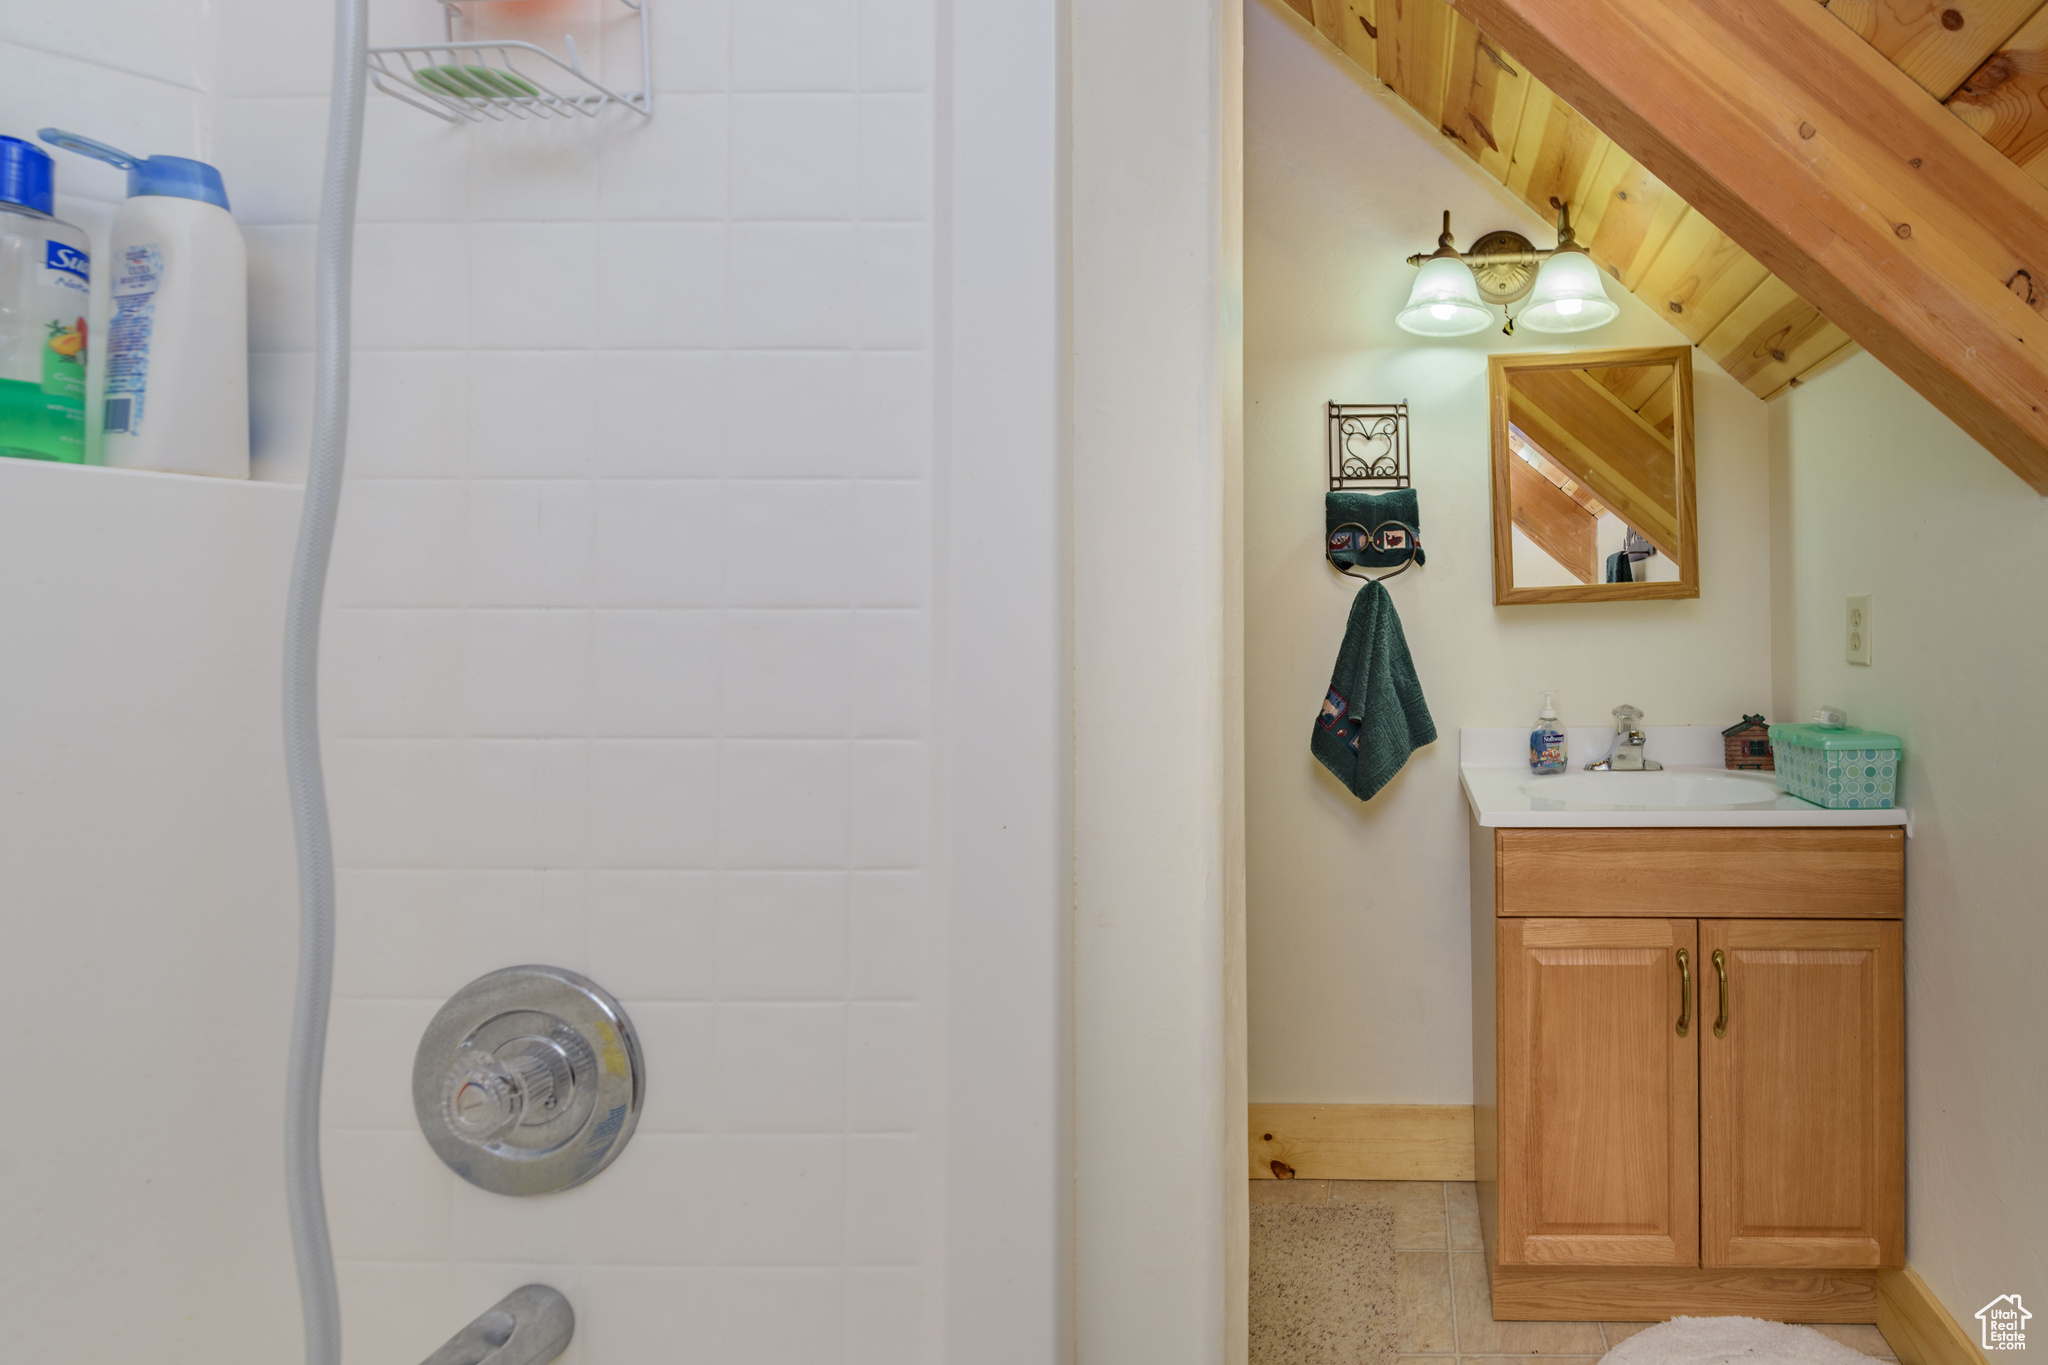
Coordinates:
(1689,1060)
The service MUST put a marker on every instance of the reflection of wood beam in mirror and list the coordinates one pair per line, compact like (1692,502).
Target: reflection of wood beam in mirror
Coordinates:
(1661,410)
(1550,469)
(1561,528)
(1624,460)
(1647,389)
(1650,391)
(1632,384)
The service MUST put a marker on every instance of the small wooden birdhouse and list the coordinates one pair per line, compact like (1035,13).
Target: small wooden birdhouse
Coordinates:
(1748,745)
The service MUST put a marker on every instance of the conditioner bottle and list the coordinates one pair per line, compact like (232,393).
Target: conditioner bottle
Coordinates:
(177,337)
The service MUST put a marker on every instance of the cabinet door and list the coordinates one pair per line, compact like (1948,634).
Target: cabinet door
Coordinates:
(1802,1094)
(1599,1093)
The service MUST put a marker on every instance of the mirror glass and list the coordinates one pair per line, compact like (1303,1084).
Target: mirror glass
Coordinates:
(1592,464)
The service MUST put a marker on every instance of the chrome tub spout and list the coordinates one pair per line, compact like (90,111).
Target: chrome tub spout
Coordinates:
(529,1326)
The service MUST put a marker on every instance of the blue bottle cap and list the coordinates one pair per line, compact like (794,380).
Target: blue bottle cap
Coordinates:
(176,177)
(27,175)
(180,178)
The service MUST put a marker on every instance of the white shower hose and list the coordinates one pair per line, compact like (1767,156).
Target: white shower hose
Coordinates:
(318,1296)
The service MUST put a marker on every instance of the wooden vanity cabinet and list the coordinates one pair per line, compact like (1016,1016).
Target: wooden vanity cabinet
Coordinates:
(1643,1149)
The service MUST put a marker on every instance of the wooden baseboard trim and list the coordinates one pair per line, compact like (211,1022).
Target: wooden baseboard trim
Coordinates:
(1916,1324)
(1651,1294)
(1913,1321)
(1363,1141)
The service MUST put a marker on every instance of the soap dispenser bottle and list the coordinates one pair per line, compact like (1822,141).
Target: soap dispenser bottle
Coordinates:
(45,275)
(177,342)
(1546,740)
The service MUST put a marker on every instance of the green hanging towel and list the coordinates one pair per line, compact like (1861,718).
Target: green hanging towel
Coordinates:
(1361,512)
(1374,715)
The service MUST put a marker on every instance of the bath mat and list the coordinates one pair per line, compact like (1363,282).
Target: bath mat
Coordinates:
(1731,1341)
(1323,1284)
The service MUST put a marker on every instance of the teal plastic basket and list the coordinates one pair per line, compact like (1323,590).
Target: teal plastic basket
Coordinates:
(1839,767)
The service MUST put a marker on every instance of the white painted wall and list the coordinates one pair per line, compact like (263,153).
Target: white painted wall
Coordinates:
(1003,813)
(1874,491)
(1158,1099)
(1358,939)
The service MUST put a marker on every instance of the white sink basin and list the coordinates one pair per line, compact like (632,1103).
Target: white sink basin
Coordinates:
(1692,790)
(1681,789)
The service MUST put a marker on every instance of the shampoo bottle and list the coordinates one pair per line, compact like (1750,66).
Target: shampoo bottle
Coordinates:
(177,339)
(1546,740)
(45,282)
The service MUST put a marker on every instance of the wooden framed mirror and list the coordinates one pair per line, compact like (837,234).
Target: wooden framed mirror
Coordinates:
(1593,476)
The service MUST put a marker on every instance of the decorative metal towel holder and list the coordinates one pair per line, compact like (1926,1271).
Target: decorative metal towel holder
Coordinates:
(1368,453)
(1368,446)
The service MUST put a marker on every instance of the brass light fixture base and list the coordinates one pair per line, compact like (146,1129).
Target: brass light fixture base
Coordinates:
(1511,273)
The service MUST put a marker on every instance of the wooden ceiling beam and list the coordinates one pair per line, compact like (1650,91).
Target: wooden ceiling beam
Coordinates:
(1837,172)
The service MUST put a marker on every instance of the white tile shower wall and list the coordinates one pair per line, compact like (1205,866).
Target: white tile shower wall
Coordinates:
(629,656)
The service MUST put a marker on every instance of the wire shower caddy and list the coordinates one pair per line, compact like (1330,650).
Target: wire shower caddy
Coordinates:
(502,79)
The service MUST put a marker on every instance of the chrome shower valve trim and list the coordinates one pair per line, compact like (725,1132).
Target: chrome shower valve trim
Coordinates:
(528,1081)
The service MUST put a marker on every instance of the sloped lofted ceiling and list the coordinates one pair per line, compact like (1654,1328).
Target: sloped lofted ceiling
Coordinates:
(1784,177)
(1664,252)
(1828,151)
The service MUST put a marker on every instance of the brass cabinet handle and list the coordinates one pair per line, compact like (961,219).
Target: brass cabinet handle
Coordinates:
(1684,992)
(1721,969)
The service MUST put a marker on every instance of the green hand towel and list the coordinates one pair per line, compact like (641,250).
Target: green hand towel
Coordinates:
(1374,715)
(1343,507)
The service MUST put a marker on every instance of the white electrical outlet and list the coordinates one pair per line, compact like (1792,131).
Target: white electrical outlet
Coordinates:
(1859,629)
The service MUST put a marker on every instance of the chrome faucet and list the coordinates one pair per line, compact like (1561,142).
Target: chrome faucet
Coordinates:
(529,1326)
(1625,754)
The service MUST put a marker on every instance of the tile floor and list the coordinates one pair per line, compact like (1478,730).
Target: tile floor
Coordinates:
(1445,1313)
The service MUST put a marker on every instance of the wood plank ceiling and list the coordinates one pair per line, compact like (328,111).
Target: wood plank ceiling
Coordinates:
(1545,153)
(1986,60)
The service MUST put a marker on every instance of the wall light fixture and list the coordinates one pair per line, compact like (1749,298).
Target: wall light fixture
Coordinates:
(1563,286)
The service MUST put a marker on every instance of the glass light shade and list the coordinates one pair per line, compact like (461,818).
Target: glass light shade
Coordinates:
(1569,296)
(1445,301)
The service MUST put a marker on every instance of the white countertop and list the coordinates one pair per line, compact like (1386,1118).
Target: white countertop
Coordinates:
(1493,767)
